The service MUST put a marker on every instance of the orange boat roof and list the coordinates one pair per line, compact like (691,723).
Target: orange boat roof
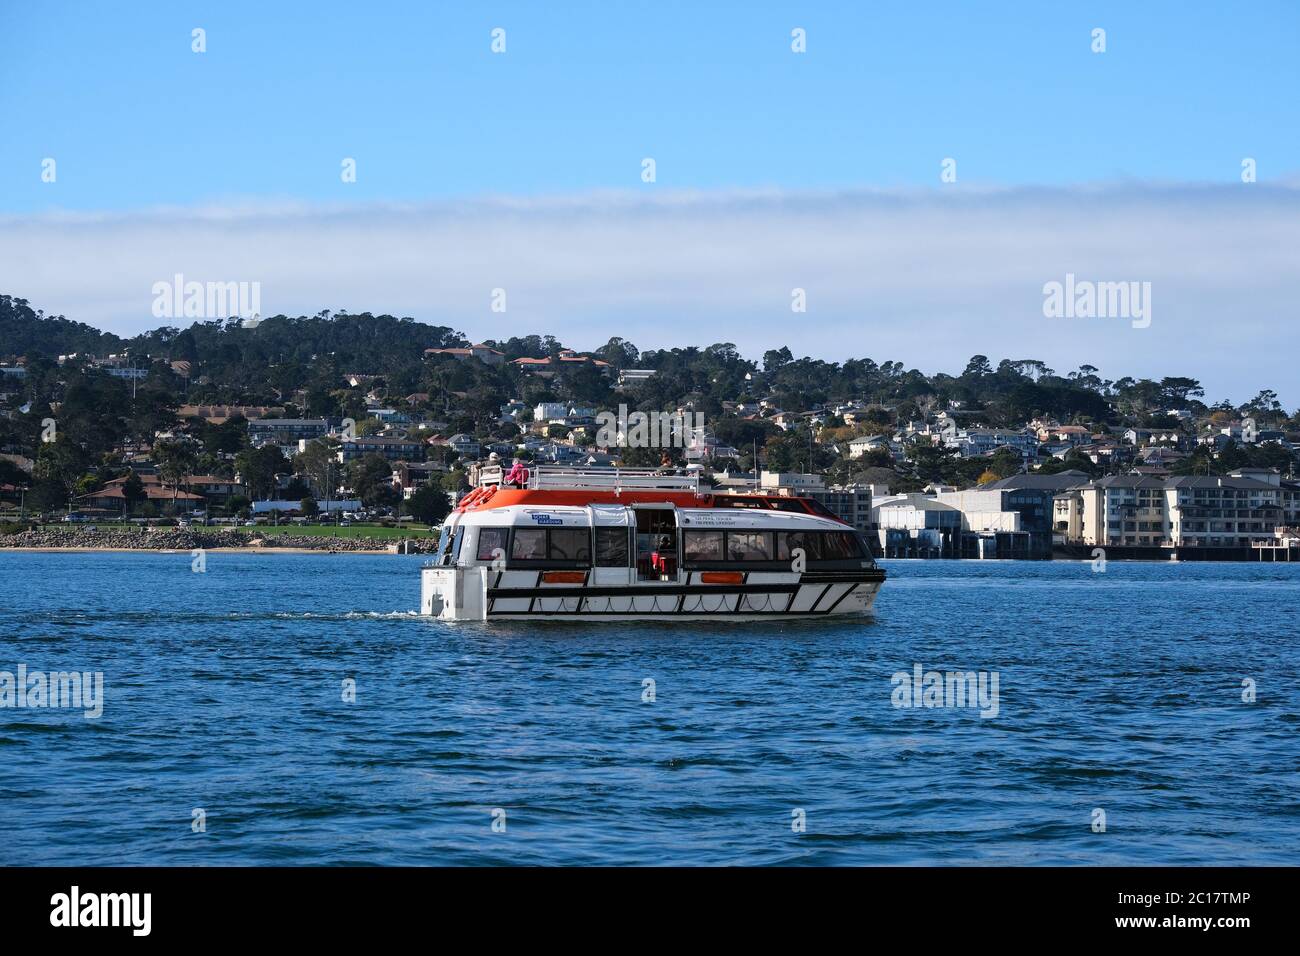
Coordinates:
(495,496)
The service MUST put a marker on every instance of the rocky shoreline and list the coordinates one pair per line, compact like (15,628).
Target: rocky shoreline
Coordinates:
(175,539)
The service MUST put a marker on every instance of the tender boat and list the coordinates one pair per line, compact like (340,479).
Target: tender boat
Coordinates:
(629,544)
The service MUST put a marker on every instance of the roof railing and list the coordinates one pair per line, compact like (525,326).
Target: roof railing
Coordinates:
(611,479)
(559,477)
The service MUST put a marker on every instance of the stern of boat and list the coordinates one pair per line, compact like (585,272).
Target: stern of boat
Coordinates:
(453,594)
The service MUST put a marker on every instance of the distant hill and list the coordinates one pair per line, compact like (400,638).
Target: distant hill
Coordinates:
(25,331)
(361,342)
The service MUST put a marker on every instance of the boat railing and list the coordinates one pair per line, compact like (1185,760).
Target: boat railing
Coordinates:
(606,479)
(556,477)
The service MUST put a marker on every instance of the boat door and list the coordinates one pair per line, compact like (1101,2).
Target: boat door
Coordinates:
(611,554)
(657,543)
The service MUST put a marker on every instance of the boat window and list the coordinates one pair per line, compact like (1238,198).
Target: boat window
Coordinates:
(456,541)
(840,546)
(808,541)
(444,543)
(529,544)
(703,545)
(491,540)
(611,547)
(570,544)
(730,501)
(749,546)
(787,504)
(817,508)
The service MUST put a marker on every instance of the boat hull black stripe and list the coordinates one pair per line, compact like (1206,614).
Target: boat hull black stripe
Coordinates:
(865,577)
(629,591)
(813,609)
(836,603)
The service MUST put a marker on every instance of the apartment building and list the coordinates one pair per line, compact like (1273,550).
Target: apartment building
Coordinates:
(285,431)
(1231,511)
(393,449)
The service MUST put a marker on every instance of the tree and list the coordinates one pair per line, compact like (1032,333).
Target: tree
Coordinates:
(429,504)
(618,352)
(774,359)
(133,491)
(62,462)
(1005,462)
(369,477)
(928,460)
(318,461)
(1177,390)
(175,461)
(878,457)
(258,468)
(309,507)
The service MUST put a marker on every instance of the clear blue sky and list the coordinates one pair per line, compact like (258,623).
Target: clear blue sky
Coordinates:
(113,92)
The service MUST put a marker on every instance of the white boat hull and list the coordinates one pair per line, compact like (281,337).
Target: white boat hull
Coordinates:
(480,594)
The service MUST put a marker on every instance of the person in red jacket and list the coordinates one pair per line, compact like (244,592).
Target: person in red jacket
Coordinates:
(518,475)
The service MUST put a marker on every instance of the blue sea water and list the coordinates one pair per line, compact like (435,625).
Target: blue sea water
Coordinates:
(1119,691)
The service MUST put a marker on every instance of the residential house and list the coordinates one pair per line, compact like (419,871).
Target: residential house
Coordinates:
(484,353)
(547,367)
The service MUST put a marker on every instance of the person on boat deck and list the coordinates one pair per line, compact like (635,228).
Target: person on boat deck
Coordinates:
(476,469)
(665,464)
(518,474)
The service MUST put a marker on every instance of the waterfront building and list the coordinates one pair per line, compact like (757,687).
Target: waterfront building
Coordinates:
(215,490)
(164,498)
(1030,495)
(1232,511)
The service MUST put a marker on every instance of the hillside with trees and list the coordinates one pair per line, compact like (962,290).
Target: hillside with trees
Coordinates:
(337,365)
